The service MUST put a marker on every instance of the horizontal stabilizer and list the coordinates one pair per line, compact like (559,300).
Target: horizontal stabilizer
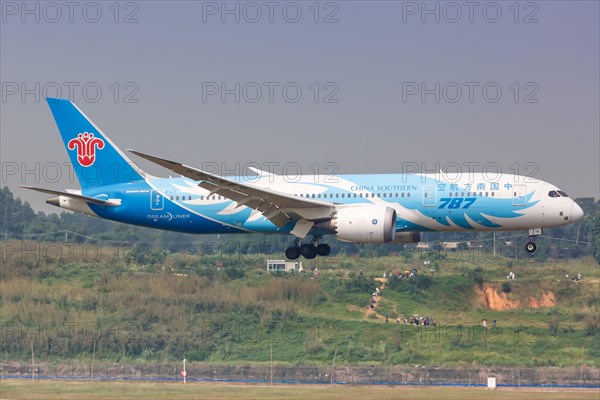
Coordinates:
(87,199)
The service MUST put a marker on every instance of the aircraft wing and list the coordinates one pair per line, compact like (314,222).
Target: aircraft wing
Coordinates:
(87,199)
(279,208)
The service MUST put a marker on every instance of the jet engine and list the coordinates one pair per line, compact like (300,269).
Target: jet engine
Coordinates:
(364,223)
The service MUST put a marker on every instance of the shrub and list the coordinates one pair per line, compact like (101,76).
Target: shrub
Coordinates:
(295,289)
(567,290)
(234,272)
(553,325)
(313,347)
(423,282)
(506,287)
(592,325)
(393,282)
(477,276)
(360,284)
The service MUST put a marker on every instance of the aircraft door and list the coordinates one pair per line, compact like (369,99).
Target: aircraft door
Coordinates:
(519,195)
(157,201)
(429,195)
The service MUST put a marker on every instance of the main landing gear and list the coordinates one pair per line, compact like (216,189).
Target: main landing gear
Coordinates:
(307,250)
(530,246)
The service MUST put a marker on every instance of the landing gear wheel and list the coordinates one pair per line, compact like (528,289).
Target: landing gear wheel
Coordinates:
(292,252)
(309,251)
(323,249)
(530,247)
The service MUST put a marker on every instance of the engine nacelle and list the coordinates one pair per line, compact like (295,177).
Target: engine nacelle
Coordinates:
(408,237)
(364,224)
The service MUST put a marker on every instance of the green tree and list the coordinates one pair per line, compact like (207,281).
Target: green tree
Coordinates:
(595,239)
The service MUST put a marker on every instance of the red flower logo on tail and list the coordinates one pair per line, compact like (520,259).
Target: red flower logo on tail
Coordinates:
(86,145)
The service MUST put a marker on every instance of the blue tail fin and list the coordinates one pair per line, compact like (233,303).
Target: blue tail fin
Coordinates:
(95,158)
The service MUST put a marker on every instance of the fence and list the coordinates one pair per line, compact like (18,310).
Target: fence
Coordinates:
(588,377)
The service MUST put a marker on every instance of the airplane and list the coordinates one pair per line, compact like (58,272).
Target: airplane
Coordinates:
(361,208)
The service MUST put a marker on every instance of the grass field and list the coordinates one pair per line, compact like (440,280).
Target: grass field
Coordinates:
(117,312)
(48,390)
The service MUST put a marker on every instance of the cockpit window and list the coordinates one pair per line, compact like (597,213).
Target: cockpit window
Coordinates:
(563,194)
(553,193)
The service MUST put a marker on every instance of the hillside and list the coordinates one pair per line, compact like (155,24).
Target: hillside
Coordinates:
(172,305)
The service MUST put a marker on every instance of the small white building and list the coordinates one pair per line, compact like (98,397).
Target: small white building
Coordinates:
(450,245)
(283,265)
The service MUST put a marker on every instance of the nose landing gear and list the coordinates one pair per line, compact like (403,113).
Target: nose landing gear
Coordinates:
(530,246)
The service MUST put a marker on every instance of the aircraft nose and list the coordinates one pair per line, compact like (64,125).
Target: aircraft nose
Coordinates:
(576,212)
